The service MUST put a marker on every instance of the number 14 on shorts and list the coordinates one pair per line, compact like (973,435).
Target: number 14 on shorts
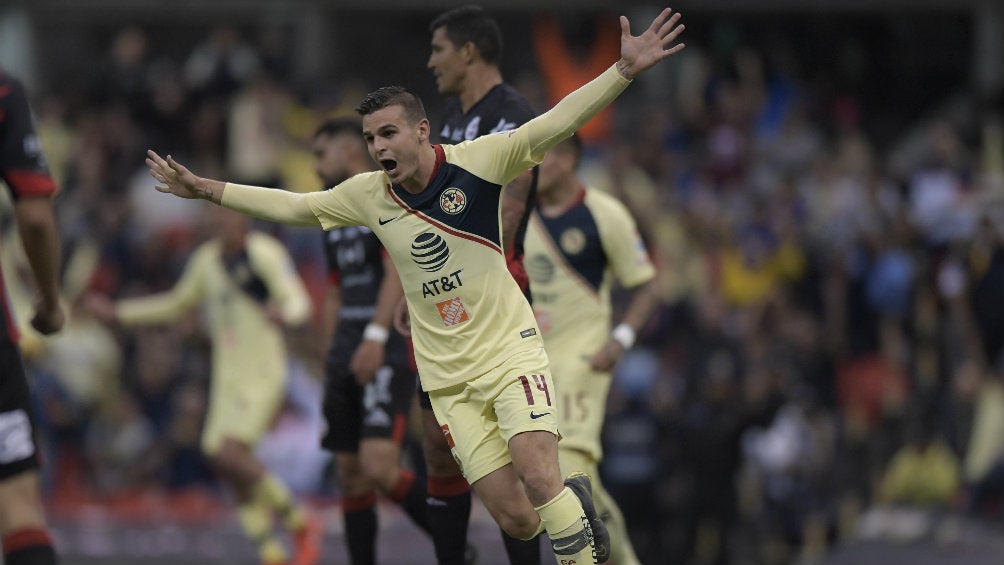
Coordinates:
(537,386)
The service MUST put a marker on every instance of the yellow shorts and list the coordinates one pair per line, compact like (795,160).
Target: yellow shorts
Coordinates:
(242,408)
(479,417)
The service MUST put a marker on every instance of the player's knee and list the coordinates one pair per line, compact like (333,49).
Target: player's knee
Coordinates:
(520,525)
(541,483)
(22,502)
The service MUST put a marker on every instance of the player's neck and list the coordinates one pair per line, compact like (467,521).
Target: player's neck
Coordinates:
(479,81)
(556,202)
(418,180)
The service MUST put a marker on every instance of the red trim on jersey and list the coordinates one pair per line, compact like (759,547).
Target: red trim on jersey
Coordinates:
(399,429)
(411,353)
(30,183)
(517,269)
(359,502)
(447,486)
(28,537)
(405,478)
(440,159)
(447,229)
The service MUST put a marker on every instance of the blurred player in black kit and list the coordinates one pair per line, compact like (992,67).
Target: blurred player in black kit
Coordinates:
(369,382)
(24,535)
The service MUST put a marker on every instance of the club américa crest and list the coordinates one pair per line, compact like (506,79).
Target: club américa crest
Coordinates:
(453,200)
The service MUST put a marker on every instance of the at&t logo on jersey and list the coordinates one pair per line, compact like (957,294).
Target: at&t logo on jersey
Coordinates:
(453,200)
(429,251)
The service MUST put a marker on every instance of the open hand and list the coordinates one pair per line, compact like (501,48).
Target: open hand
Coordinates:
(653,45)
(174,178)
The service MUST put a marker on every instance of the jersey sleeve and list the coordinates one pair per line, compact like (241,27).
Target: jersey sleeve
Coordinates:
(622,244)
(22,164)
(285,287)
(167,306)
(502,156)
(344,204)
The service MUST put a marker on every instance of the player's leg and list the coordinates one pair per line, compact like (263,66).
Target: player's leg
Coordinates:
(511,448)
(386,404)
(247,478)
(621,550)
(343,411)
(448,504)
(358,508)
(239,415)
(24,536)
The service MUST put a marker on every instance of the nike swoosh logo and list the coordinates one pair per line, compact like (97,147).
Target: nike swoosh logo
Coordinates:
(534,416)
(383,221)
(558,548)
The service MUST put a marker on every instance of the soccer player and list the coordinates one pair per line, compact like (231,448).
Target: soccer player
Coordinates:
(479,352)
(24,535)
(579,241)
(249,289)
(466,47)
(369,381)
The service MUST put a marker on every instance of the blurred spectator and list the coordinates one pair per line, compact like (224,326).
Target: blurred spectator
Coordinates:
(925,471)
(221,64)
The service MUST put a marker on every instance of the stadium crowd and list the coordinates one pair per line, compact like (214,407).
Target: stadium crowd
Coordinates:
(829,338)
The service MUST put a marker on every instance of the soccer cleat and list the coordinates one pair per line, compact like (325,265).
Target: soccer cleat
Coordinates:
(307,541)
(582,486)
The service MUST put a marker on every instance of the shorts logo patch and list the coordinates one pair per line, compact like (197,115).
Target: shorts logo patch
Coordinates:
(449,437)
(528,332)
(452,312)
(453,200)
(15,437)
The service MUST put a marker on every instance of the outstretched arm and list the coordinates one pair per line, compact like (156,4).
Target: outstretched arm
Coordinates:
(638,54)
(268,204)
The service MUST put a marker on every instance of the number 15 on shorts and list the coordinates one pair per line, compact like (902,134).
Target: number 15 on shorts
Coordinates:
(536,389)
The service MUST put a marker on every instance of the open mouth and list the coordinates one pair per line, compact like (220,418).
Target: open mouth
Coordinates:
(389,165)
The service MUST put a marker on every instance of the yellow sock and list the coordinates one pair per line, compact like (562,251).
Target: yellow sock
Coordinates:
(257,523)
(566,525)
(271,493)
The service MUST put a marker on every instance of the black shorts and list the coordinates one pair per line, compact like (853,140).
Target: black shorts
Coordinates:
(424,400)
(18,449)
(353,413)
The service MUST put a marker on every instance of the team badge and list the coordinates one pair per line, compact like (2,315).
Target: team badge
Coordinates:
(453,200)
(429,251)
(573,241)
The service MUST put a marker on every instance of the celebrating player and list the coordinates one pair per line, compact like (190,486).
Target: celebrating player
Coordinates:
(479,351)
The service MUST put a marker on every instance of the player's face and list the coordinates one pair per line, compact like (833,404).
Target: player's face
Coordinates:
(448,64)
(557,165)
(331,156)
(393,142)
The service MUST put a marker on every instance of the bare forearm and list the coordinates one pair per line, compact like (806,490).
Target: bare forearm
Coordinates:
(388,296)
(514,203)
(643,303)
(36,225)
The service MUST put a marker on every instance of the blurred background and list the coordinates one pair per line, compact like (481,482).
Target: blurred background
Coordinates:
(821,183)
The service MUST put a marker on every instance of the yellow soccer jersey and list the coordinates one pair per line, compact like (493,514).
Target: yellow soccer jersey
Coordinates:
(467,314)
(245,341)
(572,260)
